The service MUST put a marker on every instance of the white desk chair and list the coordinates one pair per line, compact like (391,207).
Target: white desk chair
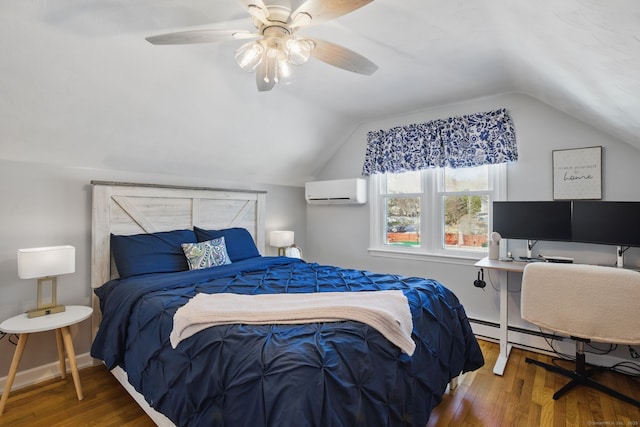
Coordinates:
(585,302)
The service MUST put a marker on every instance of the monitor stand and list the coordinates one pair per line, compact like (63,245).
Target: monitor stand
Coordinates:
(529,257)
(619,257)
(530,244)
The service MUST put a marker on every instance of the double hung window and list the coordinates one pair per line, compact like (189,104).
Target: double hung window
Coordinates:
(437,211)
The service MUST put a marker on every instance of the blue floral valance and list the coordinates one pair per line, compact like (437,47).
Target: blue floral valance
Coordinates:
(456,142)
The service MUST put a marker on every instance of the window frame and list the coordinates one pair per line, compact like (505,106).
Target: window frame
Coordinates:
(431,229)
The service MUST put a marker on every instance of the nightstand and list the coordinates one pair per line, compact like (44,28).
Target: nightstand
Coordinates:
(58,322)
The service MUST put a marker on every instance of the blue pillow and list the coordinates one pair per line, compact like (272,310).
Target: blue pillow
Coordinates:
(151,253)
(240,244)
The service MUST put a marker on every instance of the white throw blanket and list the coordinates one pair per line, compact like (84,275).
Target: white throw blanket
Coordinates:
(386,311)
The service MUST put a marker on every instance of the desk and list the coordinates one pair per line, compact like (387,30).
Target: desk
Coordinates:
(502,267)
(60,322)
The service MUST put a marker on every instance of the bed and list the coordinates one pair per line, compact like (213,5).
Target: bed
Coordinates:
(326,372)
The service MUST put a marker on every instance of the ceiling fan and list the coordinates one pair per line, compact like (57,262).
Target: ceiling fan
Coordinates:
(276,47)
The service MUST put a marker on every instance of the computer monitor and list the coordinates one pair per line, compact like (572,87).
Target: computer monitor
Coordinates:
(606,223)
(541,220)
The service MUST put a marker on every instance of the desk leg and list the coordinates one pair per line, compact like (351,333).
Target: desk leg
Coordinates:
(68,346)
(63,365)
(505,347)
(22,342)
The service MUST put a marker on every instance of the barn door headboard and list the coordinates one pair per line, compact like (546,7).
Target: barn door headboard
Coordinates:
(126,208)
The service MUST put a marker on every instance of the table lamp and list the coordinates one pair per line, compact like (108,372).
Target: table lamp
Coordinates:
(45,264)
(281,240)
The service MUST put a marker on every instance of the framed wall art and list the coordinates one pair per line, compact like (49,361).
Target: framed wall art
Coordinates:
(577,174)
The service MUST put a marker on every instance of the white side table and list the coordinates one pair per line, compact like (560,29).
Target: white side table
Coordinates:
(60,322)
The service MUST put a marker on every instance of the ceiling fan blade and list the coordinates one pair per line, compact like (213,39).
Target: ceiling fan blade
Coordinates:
(326,10)
(257,9)
(341,57)
(200,36)
(258,3)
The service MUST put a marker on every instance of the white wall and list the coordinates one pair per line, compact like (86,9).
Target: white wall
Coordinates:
(44,205)
(340,234)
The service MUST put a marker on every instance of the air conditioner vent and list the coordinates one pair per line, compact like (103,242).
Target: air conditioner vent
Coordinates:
(339,191)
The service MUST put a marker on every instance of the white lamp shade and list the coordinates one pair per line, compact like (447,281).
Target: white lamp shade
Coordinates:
(42,262)
(281,239)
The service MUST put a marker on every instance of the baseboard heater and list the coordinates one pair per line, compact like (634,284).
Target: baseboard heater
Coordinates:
(518,329)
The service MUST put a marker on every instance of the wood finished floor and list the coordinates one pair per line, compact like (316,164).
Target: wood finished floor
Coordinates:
(522,397)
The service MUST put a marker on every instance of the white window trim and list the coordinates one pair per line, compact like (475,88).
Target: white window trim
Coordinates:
(429,250)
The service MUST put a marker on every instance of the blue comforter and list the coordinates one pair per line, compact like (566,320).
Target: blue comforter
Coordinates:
(322,374)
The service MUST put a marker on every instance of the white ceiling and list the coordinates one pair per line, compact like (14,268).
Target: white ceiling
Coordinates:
(80,86)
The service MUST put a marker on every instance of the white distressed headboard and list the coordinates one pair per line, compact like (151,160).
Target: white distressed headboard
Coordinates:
(127,208)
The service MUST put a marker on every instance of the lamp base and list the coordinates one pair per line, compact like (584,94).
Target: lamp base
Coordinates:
(43,311)
(49,307)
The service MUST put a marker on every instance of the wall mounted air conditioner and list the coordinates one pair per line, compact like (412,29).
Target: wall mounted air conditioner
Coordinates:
(339,191)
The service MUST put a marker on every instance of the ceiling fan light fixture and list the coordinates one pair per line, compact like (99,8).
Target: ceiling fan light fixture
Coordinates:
(285,71)
(298,49)
(249,55)
(274,69)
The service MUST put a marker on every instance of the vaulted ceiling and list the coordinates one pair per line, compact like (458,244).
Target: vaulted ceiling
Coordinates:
(80,86)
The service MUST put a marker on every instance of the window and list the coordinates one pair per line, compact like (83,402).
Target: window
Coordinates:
(439,211)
